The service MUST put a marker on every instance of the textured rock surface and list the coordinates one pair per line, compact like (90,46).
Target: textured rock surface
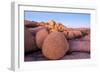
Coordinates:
(77,33)
(35,56)
(55,46)
(38,56)
(30,23)
(82,44)
(69,34)
(35,30)
(29,41)
(40,37)
(77,55)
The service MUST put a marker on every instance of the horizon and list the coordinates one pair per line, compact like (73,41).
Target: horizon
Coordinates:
(73,20)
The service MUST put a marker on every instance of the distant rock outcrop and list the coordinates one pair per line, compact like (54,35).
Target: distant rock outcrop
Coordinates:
(28,23)
(53,26)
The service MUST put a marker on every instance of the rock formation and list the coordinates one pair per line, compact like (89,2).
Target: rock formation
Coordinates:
(55,39)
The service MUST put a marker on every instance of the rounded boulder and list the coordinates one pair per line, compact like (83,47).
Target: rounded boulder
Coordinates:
(55,46)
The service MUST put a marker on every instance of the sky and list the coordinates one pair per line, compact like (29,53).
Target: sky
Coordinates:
(74,20)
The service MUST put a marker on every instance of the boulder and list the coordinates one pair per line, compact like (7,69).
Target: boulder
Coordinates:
(29,41)
(40,37)
(55,46)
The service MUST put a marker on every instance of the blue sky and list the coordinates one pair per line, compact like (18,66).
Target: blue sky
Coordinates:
(68,19)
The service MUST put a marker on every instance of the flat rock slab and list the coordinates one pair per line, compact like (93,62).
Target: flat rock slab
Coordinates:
(35,56)
(81,44)
(38,56)
(77,55)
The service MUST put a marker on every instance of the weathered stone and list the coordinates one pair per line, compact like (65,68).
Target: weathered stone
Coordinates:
(29,41)
(55,46)
(40,37)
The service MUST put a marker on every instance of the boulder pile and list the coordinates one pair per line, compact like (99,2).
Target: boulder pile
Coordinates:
(53,39)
